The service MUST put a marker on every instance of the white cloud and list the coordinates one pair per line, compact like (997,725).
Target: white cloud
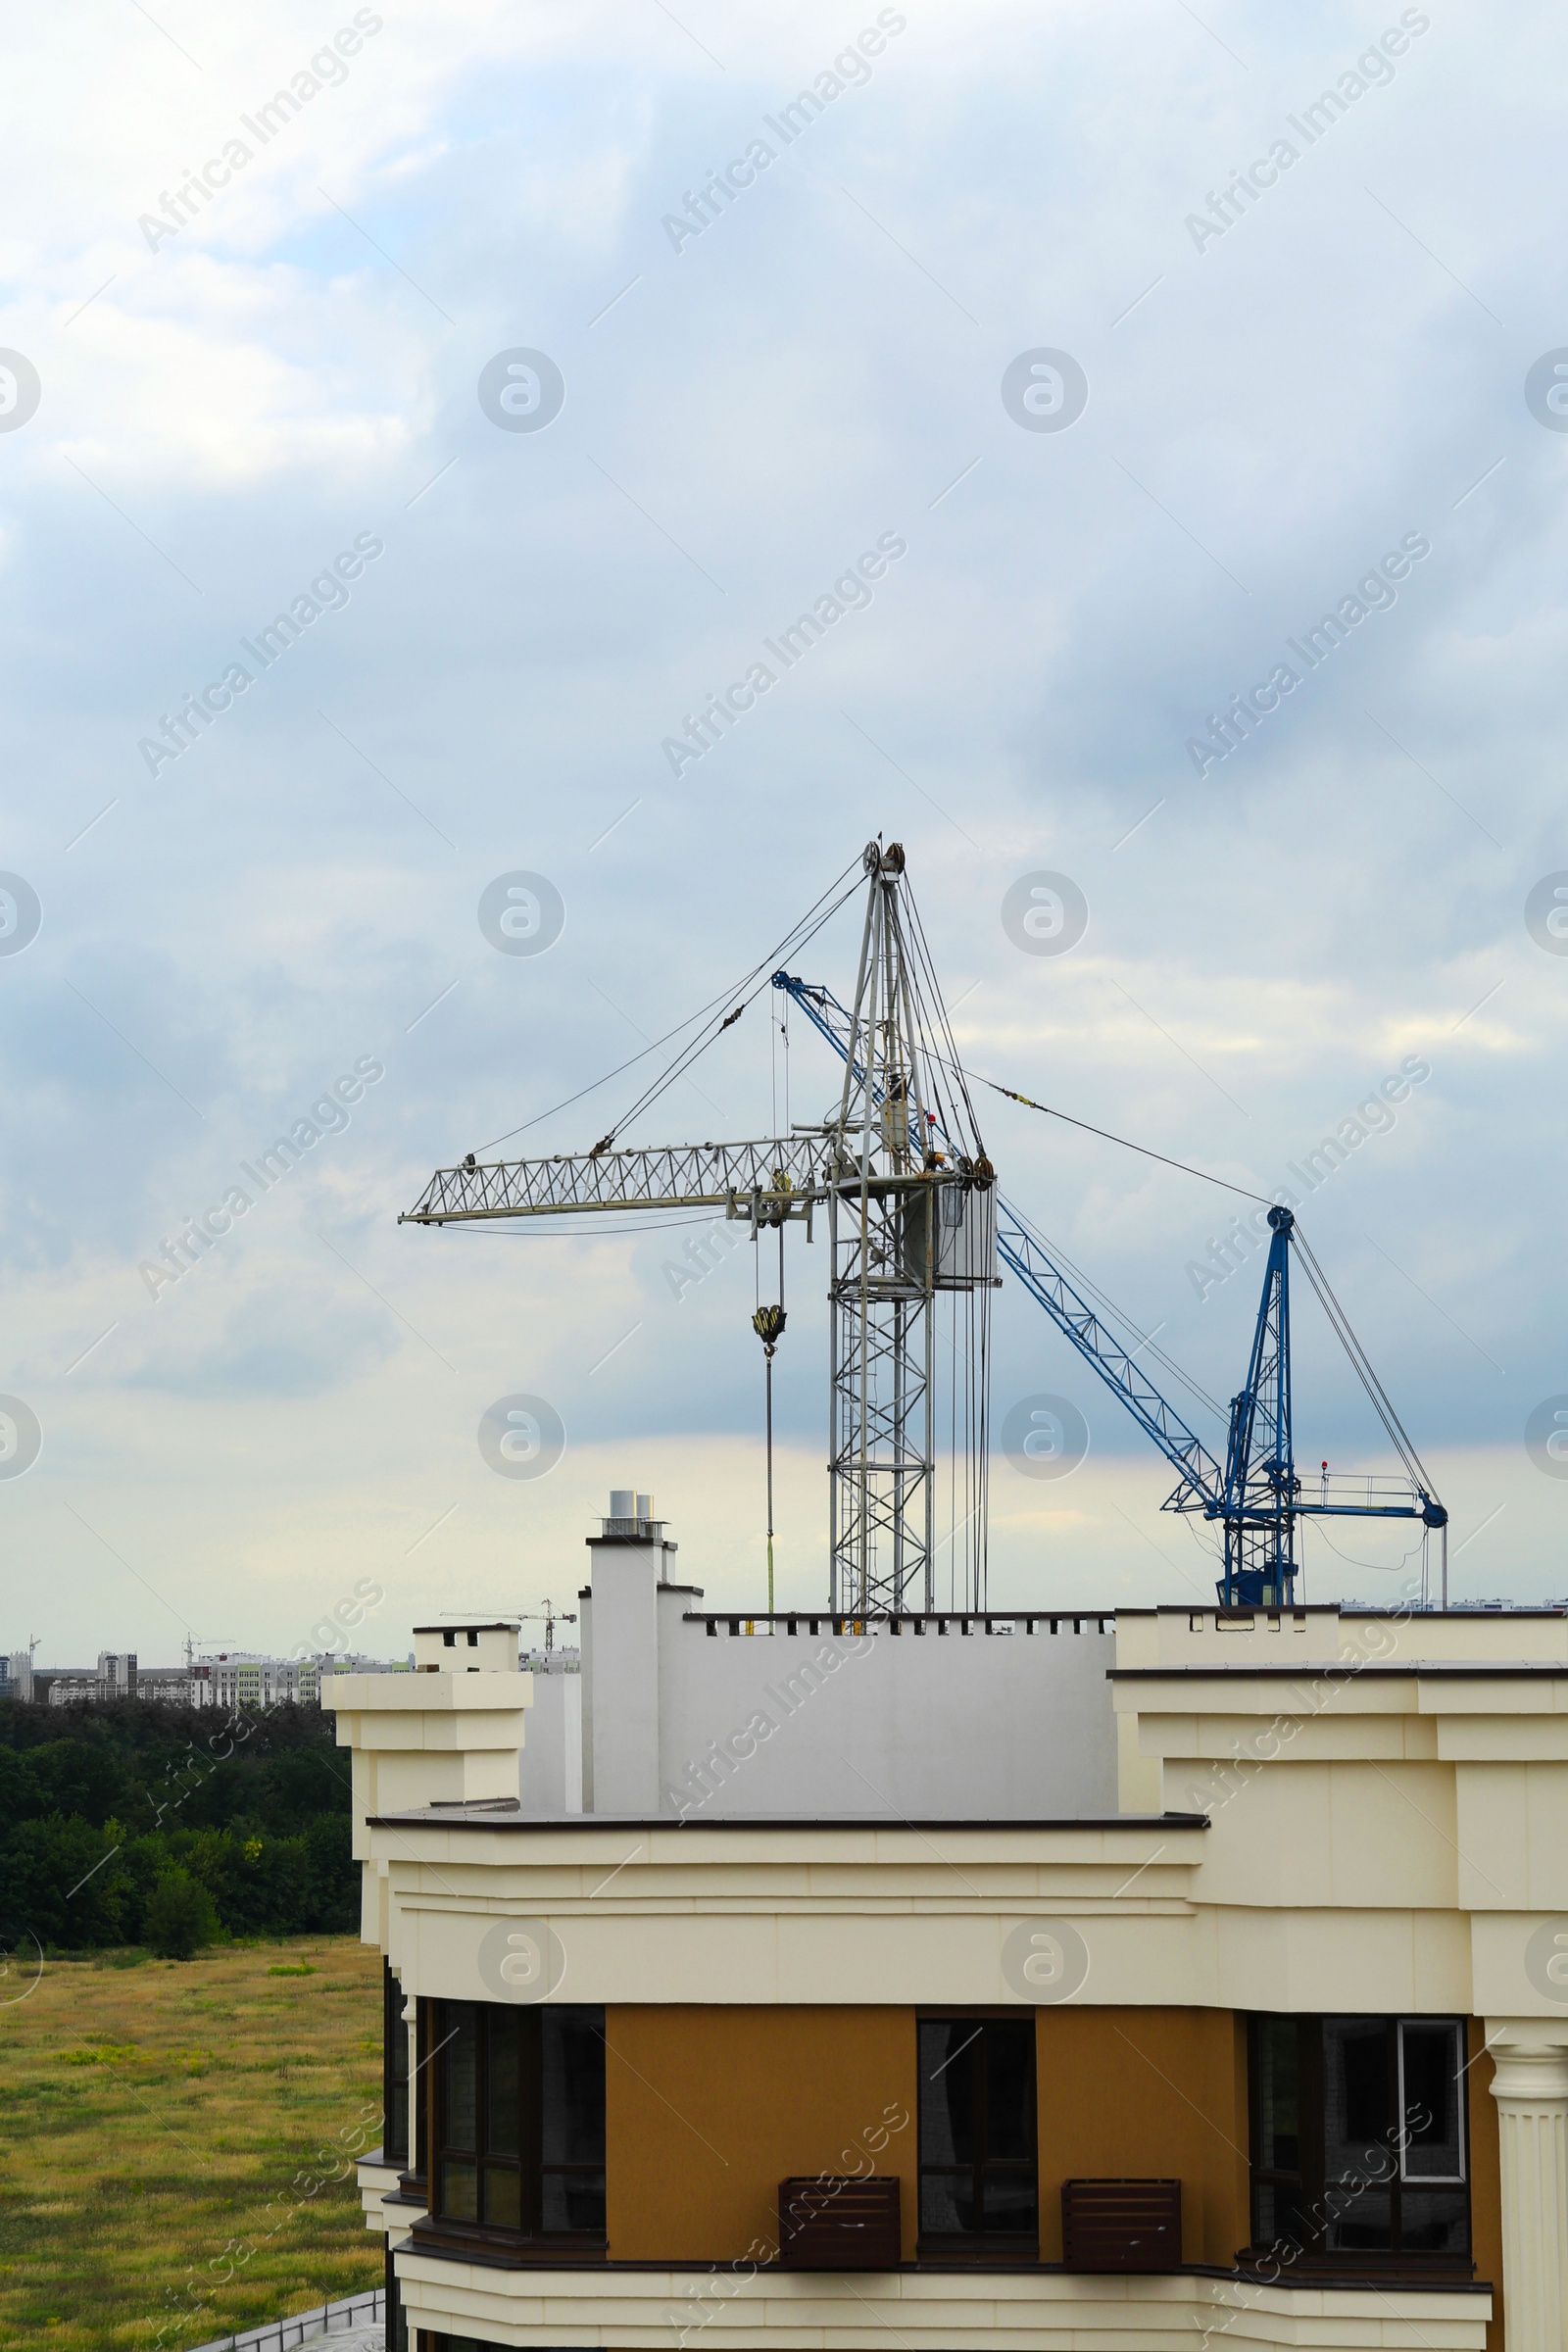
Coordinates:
(817,367)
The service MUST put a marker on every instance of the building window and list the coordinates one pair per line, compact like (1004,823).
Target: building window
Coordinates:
(1360,2149)
(978,2157)
(517,2127)
(394,2071)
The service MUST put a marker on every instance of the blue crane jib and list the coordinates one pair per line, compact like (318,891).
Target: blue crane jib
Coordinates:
(1256,1498)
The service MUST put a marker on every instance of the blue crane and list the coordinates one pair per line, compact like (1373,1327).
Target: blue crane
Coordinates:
(1256,1498)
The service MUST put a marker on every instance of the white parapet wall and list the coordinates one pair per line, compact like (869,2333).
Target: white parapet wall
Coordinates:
(449,1733)
(443,1742)
(965,1718)
(691,1711)
(551,1779)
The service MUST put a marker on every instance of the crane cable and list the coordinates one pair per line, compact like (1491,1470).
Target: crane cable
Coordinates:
(749,987)
(1338,1321)
(793,939)
(1107,1136)
(933,1005)
(1374,1567)
(1107,1306)
(1382,1405)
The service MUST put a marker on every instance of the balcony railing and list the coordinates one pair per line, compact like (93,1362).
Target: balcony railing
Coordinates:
(1121,2225)
(840,2222)
(359,2314)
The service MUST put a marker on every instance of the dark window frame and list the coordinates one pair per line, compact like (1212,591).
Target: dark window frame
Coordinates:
(525,2164)
(395,2071)
(397,2323)
(984,2169)
(1303,2191)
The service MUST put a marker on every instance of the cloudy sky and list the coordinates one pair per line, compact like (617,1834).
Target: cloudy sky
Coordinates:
(1308,392)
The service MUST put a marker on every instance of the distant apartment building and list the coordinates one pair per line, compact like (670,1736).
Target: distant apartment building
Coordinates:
(113,1677)
(169,1686)
(67,1690)
(243,1680)
(117,1674)
(67,1686)
(247,1679)
(16,1675)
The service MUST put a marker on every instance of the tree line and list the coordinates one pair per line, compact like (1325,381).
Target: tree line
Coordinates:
(136,1823)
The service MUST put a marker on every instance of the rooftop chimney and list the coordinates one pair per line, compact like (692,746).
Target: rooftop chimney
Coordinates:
(631,1515)
(631,1560)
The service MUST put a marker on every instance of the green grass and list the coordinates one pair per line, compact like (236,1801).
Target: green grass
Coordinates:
(170,2130)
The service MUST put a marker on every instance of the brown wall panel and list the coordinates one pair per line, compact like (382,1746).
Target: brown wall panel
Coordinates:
(1147,2092)
(708,2110)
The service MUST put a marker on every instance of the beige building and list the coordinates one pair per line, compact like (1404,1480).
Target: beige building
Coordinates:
(1238,2009)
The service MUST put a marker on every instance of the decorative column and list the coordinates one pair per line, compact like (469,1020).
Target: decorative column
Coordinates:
(1531,2088)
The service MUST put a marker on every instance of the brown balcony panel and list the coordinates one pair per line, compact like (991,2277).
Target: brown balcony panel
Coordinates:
(840,2224)
(1121,2225)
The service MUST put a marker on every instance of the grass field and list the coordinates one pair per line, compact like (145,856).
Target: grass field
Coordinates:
(168,2132)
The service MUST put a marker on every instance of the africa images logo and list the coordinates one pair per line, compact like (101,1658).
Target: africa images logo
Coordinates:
(521,1960)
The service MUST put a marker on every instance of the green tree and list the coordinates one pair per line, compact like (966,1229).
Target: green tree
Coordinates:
(334,1889)
(19,1790)
(82,1780)
(179,1916)
(62,1881)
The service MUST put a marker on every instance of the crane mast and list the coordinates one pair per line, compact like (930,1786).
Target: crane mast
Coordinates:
(1261,1493)
(906,1221)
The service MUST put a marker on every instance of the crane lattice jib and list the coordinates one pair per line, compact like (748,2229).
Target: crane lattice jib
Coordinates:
(1202,1482)
(682,1176)
(1045,1282)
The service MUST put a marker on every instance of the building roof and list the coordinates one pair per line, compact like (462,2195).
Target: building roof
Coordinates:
(472,1625)
(1330,1671)
(507,1813)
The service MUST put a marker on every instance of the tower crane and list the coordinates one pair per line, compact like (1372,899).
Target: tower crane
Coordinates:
(914,1222)
(549,1616)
